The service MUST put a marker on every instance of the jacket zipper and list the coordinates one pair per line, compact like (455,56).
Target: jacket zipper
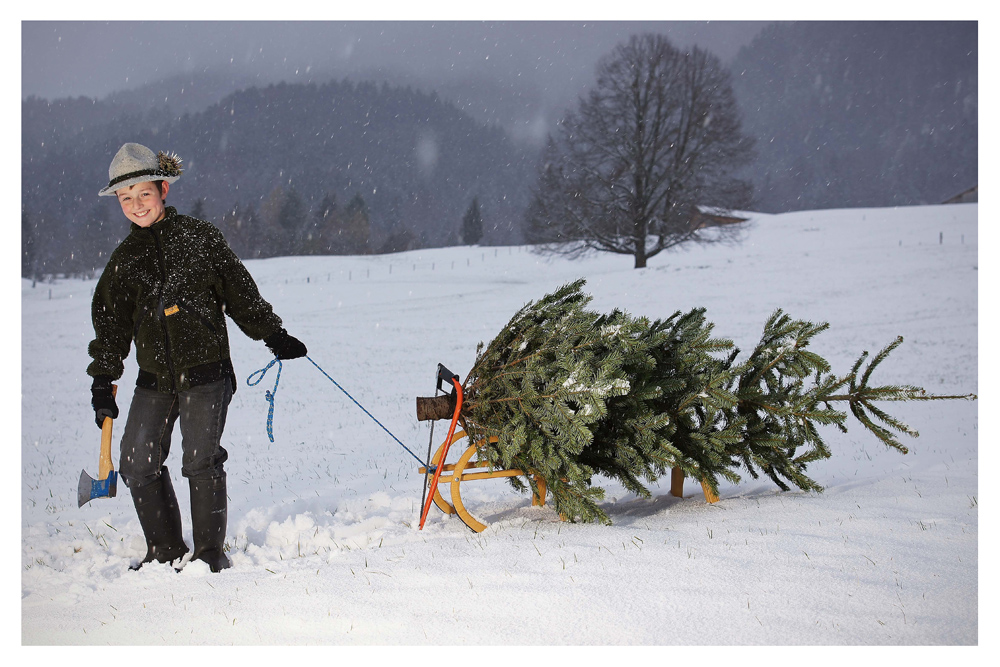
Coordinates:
(160,311)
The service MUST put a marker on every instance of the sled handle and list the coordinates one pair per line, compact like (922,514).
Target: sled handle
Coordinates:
(447,443)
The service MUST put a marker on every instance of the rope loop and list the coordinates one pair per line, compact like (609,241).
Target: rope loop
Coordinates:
(269,395)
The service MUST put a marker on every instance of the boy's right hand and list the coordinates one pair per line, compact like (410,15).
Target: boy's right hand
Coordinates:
(103,400)
(284,346)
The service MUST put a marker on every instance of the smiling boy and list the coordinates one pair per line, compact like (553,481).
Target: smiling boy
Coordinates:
(144,203)
(168,287)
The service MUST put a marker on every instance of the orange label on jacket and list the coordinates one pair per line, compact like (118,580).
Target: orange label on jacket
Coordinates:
(172,310)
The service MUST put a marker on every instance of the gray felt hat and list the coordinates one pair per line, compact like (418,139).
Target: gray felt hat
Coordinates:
(134,163)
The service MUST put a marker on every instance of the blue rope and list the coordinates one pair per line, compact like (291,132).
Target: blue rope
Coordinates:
(366,412)
(269,395)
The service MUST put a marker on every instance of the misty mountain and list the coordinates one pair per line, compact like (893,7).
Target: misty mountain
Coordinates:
(416,161)
(860,114)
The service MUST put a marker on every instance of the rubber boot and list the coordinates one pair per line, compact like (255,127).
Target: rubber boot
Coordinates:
(160,518)
(208,521)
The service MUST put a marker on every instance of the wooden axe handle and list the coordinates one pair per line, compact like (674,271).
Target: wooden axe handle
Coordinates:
(105,466)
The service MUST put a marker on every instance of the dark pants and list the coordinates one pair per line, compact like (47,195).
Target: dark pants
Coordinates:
(146,441)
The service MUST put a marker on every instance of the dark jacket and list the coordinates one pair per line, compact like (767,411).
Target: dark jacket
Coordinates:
(168,287)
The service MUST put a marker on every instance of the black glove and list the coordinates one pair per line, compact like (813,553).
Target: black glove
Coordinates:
(284,346)
(103,399)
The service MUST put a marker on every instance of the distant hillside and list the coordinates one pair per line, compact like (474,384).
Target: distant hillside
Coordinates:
(415,161)
(183,93)
(860,114)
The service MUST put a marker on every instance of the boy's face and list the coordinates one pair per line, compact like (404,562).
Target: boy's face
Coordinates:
(142,203)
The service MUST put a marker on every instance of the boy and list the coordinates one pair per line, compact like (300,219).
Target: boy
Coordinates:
(168,287)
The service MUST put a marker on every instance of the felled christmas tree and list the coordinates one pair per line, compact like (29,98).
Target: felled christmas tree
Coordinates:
(570,393)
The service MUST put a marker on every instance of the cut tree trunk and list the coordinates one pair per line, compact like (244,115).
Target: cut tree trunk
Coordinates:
(435,407)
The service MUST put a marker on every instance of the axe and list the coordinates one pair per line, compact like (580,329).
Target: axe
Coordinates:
(106,484)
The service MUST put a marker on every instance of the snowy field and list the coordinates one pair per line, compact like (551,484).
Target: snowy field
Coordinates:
(323,521)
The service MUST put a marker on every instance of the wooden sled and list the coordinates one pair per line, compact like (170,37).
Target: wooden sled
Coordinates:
(468,469)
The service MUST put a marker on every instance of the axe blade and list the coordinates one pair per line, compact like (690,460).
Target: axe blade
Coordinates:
(90,488)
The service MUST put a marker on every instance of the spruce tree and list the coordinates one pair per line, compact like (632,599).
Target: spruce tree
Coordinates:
(29,250)
(570,394)
(472,224)
(292,219)
(320,234)
(356,226)
(270,240)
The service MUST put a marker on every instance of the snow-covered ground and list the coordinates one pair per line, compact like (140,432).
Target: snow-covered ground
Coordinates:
(323,521)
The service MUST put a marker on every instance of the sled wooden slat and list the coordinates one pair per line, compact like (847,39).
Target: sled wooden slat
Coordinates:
(477,475)
(491,475)
(474,464)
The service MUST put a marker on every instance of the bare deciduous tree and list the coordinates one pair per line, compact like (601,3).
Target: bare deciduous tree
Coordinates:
(658,136)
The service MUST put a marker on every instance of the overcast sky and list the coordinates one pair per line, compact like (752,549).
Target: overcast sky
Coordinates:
(518,73)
